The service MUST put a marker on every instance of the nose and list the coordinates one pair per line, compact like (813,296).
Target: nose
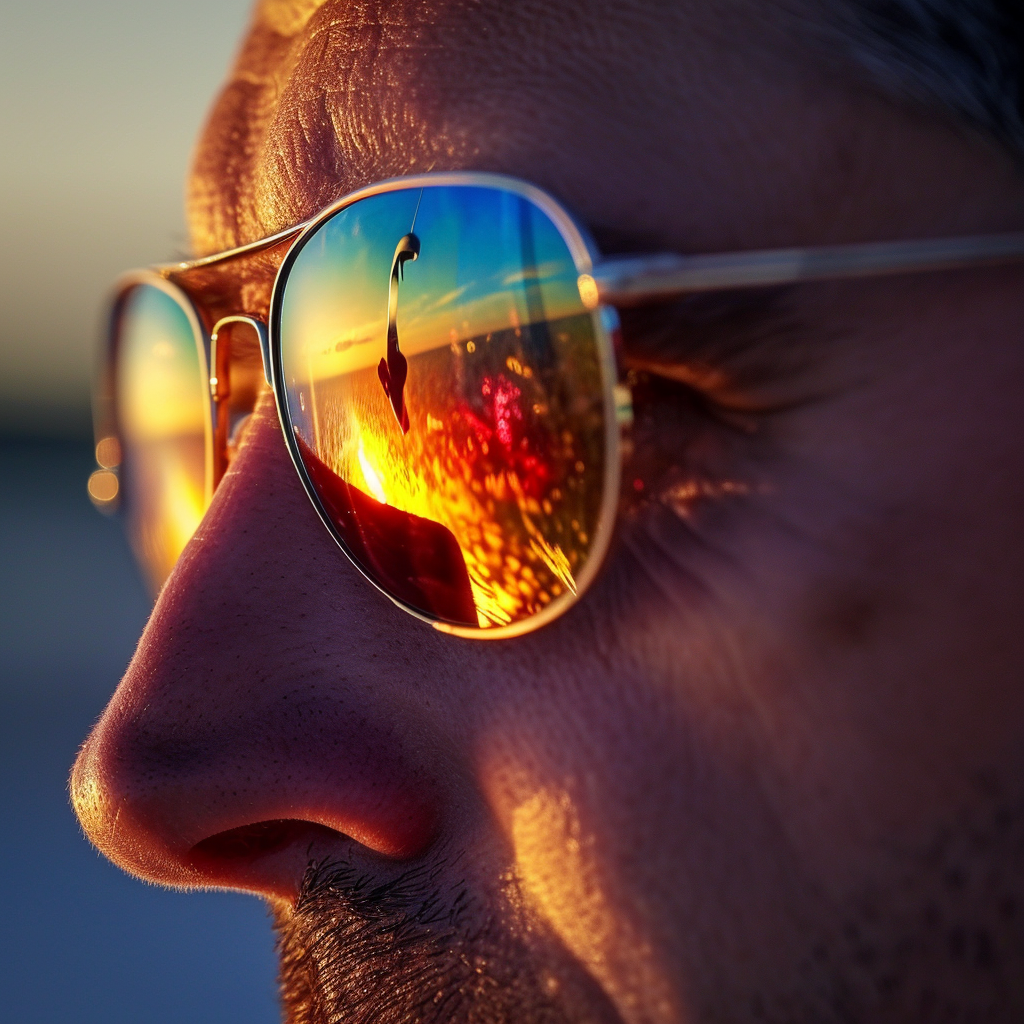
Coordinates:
(254,730)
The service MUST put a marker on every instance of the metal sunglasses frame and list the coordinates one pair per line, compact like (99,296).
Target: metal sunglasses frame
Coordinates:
(604,284)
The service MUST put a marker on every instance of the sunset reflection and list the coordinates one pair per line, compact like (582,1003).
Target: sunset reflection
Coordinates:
(505,449)
(164,424)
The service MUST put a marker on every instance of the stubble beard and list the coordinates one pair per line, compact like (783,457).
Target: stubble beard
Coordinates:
(416,950)
(942,938)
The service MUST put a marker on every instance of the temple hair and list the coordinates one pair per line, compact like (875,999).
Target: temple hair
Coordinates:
(964,56)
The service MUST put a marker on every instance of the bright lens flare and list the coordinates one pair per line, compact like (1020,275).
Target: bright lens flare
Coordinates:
(103,487)
(370,475)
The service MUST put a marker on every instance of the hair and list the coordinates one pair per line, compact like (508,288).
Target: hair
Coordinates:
(965,56)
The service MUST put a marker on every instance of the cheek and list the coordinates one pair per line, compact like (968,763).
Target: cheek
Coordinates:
(561,873)
(632,798)
(560,769)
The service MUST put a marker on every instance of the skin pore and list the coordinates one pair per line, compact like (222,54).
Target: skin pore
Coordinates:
(770,768)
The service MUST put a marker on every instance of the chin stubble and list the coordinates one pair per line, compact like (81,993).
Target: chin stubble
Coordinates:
(937,937)
(941,939)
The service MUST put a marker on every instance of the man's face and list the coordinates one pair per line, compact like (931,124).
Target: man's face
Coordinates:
(769,768)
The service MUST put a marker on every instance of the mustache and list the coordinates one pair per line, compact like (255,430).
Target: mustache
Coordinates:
(412,899)
(414,949)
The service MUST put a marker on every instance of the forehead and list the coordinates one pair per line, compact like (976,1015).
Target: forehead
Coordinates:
(606,104)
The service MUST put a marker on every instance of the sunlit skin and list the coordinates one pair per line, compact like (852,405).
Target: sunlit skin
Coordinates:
(770,767)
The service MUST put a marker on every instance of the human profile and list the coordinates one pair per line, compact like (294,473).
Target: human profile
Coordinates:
(581,470)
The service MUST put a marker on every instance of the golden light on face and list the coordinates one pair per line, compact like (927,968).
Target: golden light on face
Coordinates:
(557,869)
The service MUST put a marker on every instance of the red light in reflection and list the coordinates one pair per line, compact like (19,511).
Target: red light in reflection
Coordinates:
(506,409)
(524,450)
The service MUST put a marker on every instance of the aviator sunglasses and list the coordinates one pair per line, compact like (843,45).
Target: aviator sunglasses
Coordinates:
(442,351)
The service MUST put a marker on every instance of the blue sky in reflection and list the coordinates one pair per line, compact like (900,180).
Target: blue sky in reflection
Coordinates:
(489,260)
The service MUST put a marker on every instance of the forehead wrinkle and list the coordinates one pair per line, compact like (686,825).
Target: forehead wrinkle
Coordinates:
(340,110)
(230,140)
(382,89)
(366,102)
(378,88)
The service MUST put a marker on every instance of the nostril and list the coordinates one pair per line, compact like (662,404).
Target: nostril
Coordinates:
(269,857)
(262,838)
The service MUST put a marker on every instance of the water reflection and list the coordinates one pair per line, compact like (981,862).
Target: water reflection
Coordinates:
(493,451)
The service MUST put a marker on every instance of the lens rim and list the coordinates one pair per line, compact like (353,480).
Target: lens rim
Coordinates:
(605,322)
(106,420)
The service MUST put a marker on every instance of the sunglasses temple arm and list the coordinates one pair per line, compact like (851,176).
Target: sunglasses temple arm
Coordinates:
(630,280)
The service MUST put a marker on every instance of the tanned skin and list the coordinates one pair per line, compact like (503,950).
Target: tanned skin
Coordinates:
(770,767)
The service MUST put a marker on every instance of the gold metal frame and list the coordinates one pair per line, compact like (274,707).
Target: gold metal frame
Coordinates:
(604,283)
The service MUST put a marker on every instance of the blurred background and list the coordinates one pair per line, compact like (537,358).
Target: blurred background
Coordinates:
(100,104)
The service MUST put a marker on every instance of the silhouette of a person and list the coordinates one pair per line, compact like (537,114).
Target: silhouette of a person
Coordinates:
(394,369)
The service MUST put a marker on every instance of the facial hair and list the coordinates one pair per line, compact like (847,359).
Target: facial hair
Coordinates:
(415,950)
(941,938)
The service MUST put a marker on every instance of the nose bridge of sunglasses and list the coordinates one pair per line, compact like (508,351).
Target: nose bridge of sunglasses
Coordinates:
(220,352)
(234,381)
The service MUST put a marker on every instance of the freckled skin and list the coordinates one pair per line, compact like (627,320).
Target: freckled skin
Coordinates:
(772,761)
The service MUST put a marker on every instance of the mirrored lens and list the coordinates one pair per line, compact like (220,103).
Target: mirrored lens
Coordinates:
(445,386)
(164,423)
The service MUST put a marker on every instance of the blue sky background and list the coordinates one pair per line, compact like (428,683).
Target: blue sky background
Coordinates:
(468,278)
(100,103)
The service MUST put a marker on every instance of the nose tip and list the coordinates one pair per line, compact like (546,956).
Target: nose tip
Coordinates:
(237,809)
(247,736)
(244,820)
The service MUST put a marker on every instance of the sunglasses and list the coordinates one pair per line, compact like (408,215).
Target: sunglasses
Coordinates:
(442,349)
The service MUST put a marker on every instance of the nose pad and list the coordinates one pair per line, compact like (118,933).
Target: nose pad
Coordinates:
(254,729)
(234,384)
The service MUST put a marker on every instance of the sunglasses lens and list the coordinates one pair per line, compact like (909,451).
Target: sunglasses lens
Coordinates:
(163,420)
(447,392)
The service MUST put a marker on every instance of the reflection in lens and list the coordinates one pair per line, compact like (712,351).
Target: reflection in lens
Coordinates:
(163,421)
(484,511)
